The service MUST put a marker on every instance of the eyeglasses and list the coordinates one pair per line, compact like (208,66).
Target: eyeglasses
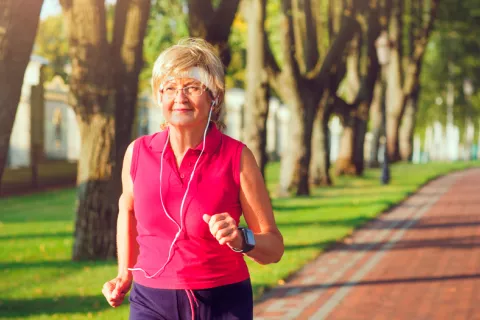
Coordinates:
(190,91)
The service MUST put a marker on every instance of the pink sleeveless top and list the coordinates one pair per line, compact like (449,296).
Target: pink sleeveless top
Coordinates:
(198,261)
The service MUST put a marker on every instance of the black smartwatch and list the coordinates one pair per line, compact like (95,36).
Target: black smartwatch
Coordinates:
(248,240)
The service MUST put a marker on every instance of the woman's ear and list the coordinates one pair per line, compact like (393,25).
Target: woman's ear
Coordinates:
(214,102)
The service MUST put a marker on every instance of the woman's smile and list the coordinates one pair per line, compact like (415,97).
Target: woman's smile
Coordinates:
(182,110)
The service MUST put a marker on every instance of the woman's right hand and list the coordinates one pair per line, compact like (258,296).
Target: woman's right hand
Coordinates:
(116,289)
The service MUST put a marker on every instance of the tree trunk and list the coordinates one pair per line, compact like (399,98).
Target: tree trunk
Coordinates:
(344,163)
(103,92)
(91,87)
(408,127)
(257,89)
(295,162)
(393,128)
(362,71)
(18,27)
(376,124)
(320,166)
(394,108)
(360,130)
(97,205)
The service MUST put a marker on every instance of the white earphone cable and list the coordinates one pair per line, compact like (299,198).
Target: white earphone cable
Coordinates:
(180,227)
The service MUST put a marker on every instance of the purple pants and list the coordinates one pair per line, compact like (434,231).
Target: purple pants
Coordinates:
(230,302)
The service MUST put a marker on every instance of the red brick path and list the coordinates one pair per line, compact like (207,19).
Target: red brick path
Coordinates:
(421,261)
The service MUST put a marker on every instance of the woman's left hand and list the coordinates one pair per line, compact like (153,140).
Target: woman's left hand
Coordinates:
(224,228)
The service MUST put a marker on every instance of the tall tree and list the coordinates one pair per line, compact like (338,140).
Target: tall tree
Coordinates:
(257,88)
(305,81)
(406,63)
(103,94)
(18,26)
(362,74)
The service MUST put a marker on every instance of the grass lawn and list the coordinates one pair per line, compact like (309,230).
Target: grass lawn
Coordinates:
(40,282)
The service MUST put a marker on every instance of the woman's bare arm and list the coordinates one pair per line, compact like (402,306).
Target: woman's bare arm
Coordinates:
(127,247)
(258,212)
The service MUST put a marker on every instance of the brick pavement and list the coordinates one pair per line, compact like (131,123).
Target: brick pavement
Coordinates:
(420,261)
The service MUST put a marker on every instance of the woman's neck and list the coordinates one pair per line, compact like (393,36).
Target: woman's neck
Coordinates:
(182,139)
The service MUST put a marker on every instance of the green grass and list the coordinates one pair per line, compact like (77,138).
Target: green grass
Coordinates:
(40,282)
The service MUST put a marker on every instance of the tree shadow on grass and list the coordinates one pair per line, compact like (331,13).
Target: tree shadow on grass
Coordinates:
(21,308)
(352,222)
(60,264)
(49,271)
(279,208)
(358,192)
(316,245)
(61,215)
(37,236)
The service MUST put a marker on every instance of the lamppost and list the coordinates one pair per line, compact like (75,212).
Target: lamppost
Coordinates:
(382,45)
(468,91)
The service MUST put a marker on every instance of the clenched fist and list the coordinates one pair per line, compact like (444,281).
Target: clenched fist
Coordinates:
(115,290)
(224,228)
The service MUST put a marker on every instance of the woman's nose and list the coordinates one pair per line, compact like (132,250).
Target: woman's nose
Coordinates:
(180,95)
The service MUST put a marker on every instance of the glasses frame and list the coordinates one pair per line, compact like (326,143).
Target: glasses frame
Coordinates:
(202,87)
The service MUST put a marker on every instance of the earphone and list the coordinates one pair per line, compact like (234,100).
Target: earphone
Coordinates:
(180,227)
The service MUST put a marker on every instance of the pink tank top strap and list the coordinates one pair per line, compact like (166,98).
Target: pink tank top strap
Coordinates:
(237,161)
(134,163)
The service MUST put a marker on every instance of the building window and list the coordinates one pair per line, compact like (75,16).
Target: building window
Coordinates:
(57,127)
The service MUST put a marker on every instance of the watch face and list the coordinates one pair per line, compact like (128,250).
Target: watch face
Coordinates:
(250,238)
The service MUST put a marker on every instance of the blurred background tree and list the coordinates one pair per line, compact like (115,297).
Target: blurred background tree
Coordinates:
(103,93)
(18,27)
(451,57)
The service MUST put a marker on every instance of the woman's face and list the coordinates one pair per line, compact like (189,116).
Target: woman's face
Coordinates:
(185,102)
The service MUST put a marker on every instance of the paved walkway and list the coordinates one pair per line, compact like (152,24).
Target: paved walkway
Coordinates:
(421,261)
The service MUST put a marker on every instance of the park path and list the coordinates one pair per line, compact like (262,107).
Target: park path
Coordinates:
(419,261)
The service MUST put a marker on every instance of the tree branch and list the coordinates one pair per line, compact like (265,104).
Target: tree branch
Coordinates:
(331,15)
(340,106)
(348,29)
(371,74)
(413,70)
(290,65)
(222,21)
(423,39)
(271,64)
(199,11)
(119,25)
(310,42)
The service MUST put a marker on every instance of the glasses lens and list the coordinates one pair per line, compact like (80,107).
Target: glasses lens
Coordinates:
(170,91)
(193,91)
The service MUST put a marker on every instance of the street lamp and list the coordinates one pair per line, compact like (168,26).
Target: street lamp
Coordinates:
(468,91)
(383,46)
(468,87)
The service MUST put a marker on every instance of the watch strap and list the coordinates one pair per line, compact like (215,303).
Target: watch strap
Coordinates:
(247,236)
